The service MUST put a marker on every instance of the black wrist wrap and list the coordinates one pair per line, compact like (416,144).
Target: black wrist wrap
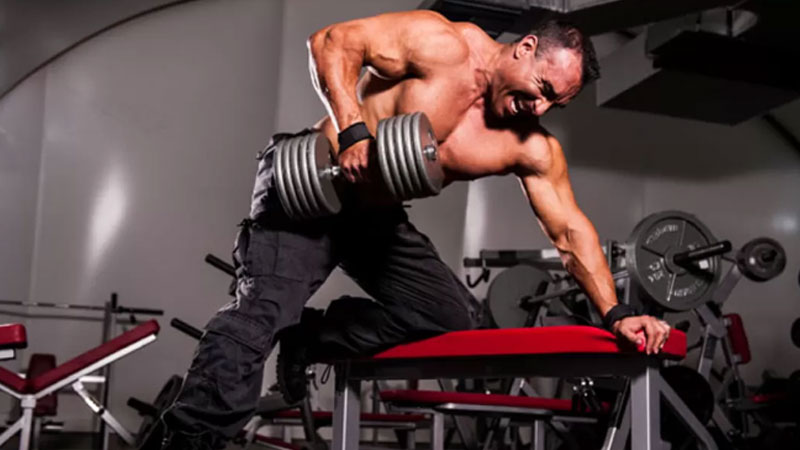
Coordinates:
(352,134)
(619,311)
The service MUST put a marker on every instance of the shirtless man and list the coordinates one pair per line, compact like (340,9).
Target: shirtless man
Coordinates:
(483,99)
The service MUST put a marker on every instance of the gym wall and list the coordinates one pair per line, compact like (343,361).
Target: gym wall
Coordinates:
(147,137)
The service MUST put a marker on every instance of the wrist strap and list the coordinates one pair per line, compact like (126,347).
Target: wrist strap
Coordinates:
(619,311)
(352,134)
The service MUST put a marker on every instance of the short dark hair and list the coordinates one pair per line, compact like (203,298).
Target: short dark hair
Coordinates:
(555,33)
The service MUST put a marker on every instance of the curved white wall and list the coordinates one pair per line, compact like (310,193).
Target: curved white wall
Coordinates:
(147,136)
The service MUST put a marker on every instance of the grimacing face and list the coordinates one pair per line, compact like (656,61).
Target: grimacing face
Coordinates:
(529,84)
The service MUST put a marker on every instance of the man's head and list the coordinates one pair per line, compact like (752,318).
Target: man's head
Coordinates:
(546,68)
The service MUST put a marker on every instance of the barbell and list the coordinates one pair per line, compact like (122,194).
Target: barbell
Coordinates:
(307,179)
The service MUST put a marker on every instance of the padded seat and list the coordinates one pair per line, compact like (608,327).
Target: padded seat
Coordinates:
(432,399)
(326,416)
(16,383)
(13,336)
(527,341)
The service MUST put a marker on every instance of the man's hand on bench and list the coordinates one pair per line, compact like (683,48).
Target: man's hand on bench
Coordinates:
(646,332)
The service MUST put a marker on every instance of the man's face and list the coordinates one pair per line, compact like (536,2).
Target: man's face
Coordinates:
(528,84)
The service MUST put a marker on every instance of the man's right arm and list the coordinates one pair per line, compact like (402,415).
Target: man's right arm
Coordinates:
(394,45)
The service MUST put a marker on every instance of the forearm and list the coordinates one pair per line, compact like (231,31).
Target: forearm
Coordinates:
(335,64)
(583,258)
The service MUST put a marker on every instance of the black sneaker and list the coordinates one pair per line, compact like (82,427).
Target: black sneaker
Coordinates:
(293,371)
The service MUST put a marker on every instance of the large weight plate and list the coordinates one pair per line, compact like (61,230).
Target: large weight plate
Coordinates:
(307,174)
(280,178)
(401,149)
(409,150)
(383,159)
(696,394)
(509,288)
(428,165)
(291,187)
(323,185)
(394,163)
(297,176)
(648,258)
(761,259)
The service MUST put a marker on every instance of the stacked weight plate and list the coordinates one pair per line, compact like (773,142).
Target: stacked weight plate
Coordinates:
(408,156)
(304,177)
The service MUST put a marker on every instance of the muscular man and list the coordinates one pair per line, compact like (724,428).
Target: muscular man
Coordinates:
(484,100)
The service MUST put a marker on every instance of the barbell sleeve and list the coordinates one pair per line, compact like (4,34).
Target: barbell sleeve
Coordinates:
(697,254)
(220,264)
(184,327)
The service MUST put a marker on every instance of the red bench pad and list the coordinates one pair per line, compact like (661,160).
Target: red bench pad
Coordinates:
(13,336)
(94,355)
(527,341)
(434,398)
(366,417)
(21,385)
(738,338)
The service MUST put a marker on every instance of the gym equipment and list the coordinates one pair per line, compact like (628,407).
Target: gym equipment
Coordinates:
(306,176)
(408,156)
(673,260)
(796,332)
(509,289)
(151,412)
(761,259)
(694,391)
(30,391)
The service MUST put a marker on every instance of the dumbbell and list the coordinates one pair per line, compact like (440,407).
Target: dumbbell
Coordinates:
(306,177)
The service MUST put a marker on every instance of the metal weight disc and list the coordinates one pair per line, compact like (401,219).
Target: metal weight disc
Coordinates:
(289,179)
(696,394)
(400,150)
(280,178)
(409,150)
(322,181)
(761,259)
(383,158)
(509,288)
(428,164)
(654,275)
(394,164)
(298,149)
(307,175)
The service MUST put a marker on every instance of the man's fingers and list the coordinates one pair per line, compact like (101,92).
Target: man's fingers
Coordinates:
(630,335)
(651,330)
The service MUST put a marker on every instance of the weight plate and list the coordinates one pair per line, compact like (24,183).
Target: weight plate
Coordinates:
(648,258)
(430,167)
(307,174)
(297,177)
(761,259)
(324,187)
(383,158)
(409,150)
(291,188)
(796,332)
(509,288)
(394,164)
(280,178)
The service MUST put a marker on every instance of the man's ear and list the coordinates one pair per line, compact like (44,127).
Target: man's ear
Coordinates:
(526,46)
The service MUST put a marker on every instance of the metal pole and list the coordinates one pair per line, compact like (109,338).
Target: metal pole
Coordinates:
(108,330)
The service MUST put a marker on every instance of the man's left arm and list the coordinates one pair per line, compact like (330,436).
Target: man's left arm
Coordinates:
(542,170)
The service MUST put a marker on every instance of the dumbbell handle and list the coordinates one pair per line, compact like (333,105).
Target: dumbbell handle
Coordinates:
(697,254)
(332,172)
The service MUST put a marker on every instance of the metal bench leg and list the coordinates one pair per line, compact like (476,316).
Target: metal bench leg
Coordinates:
(538,435)
(645,409)
(437,431)
(28,403)
(347,409)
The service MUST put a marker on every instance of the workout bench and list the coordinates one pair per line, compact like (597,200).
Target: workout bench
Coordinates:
(563,351)
(30,391)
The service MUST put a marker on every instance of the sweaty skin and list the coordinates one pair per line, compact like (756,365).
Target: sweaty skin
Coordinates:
(483,99)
